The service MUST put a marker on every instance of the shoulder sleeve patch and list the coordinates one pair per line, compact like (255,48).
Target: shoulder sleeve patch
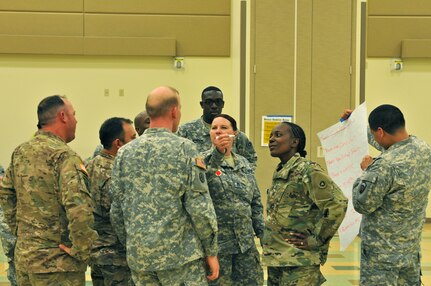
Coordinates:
(321,186)
(200,163)
(202,178)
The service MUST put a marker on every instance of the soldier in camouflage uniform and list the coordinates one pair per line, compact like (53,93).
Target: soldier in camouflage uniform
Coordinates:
(142,122)
(161,208)
(305,208)
(199,130)
(392,195)
(46,202)
(236,199)
(108,257)
(8,241)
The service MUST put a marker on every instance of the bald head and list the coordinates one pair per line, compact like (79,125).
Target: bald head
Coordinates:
(164,108)
(142,122)
(161,100)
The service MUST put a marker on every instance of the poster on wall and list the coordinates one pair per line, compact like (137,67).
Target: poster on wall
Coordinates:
(344,145)
(269,122)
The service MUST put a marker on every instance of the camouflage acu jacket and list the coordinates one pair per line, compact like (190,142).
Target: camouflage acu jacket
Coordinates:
(392,193)
(46,202)
(302,199)
(8,240)
(236,199)
(199,132)
(161,208)
(107,249)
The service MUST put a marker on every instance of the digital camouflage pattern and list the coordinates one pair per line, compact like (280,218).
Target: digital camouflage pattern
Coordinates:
(199,132)
(161,208)
(189,274)
(392,195)
(245,270)
(302,199)
(110,275)
(46,202)
(8,241)
(108,255)
(237,202)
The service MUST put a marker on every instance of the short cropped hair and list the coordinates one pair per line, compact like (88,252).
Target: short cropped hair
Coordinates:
(388,117)
(48,108)
(211,88)
(112,129)
(230,119)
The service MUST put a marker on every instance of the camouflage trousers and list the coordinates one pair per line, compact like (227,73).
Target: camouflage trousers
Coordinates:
(51,279)
(405,271)
(189,274)
(295,276)
(110,275)
(240,269)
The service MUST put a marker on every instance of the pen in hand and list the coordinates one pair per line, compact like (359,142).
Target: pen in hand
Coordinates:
(230,136)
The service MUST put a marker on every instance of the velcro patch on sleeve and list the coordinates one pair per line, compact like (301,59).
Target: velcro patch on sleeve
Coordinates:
(200,163)
(82,168)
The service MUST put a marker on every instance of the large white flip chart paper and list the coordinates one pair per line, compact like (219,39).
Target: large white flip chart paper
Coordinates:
(344,145)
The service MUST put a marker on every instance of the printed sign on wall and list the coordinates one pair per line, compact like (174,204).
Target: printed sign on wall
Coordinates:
(269,122)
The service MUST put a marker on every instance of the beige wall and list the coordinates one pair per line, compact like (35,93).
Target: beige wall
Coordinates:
(302,51)
(25,80)
(408,89)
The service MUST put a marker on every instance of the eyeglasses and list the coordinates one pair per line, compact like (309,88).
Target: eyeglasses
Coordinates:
(210,102)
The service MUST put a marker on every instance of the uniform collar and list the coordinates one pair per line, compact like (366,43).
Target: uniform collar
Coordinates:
(283,170)
(106,155)
(156,130)
(205,125)
(49,134)
(401,143)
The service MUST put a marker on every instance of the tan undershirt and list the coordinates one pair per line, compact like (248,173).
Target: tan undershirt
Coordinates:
(229,159)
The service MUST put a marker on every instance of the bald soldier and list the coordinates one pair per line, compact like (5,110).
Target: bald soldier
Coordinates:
(142,122)
(46,202)
(161,208)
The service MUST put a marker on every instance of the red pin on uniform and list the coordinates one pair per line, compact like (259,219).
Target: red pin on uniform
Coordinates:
(218,173)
